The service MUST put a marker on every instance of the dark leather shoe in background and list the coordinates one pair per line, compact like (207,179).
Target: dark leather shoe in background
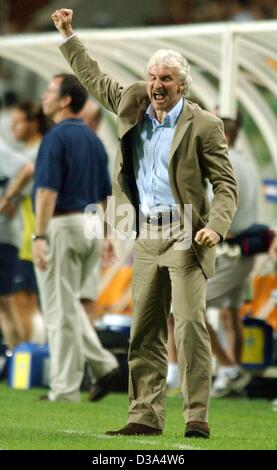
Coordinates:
(197,429)
(44,398)
(135,429)
(104,385)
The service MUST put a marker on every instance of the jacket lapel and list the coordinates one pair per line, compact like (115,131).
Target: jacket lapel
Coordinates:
(183,124)
(125,125)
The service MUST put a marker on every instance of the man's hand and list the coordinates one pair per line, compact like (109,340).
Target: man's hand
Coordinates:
(62,20)
(207,237)
(108,254)
(40,258)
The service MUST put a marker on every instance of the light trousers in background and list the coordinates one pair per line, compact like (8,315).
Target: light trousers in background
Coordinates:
(162,273)
(227,287)
(71,337)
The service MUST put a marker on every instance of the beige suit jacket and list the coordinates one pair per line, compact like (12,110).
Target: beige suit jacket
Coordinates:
(198,151)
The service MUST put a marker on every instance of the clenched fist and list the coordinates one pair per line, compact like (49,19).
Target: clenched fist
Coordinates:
(207,237)
(62,20)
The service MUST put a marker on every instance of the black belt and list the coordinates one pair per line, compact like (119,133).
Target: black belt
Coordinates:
(161,218)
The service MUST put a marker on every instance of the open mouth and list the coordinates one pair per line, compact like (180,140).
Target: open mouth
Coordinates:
(159,96)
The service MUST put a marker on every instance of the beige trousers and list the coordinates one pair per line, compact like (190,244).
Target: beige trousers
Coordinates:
(71,338)
(163,272)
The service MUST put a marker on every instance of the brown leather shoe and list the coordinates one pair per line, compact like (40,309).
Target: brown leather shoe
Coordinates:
(197,429)
(104,385)
(44,398)
(135,429)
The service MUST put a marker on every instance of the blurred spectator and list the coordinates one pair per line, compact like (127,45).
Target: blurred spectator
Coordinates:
(28,126)
(10,229)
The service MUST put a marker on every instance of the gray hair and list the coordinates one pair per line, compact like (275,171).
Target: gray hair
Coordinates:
(171,58)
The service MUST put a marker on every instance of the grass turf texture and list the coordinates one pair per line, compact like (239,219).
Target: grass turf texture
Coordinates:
(26,423)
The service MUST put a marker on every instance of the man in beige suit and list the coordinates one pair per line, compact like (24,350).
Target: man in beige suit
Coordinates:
(168,146)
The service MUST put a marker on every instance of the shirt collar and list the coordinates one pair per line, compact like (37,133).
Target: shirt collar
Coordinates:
(171,117)
(72,121)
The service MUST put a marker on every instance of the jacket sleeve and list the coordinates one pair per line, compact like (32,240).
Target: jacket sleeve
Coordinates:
(97,83)
(220,173)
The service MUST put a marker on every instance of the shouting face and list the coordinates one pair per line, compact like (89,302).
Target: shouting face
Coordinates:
(164,87)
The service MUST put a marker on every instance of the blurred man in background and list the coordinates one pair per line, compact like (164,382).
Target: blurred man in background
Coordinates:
(71,173)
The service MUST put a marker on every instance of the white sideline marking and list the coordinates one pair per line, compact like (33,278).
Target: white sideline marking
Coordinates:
(140,441)
(73,431)
(185,447)
(174,446)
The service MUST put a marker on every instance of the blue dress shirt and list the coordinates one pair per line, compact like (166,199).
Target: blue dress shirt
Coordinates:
(151,144)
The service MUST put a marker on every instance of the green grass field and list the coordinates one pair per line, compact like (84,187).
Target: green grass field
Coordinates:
(26,423)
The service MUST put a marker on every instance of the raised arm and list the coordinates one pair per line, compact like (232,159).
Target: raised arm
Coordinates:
(98,84)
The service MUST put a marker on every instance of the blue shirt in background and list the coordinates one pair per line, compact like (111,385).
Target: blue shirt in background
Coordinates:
(73,162)
(151,147)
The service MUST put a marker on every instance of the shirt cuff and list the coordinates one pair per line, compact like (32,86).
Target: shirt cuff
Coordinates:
(69,37)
